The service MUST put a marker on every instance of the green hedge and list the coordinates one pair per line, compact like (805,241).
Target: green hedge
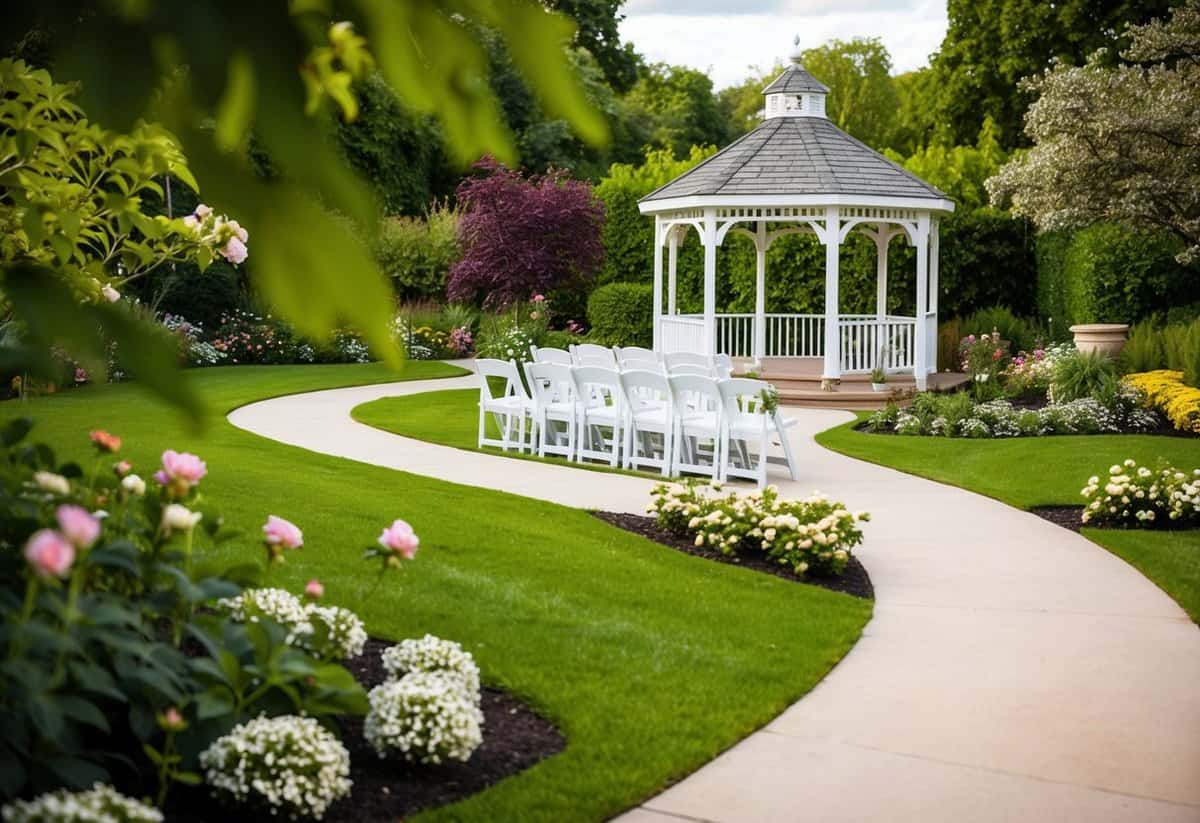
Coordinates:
(622,314)
(417,253)
(1110,273)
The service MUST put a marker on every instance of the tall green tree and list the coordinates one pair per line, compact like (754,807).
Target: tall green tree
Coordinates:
(679,105)
(742,105)
(598,31)
(991,45)
(1117,143)
(862,99)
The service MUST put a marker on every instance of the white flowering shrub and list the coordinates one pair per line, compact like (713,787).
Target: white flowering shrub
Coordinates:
(338,633)
(423,717)
(1140,496)
(814,534)
(434,655)
(290,766)
(99,804)
(328,632)
(510,342)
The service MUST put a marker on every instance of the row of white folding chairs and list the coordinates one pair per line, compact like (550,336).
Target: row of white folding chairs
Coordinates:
(635,358)
(637,418)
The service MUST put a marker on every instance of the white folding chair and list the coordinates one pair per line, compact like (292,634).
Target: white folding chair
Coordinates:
(554,407)
(545,354)
(692,368)
(589,354)
(744,435)
(723,364)
(509,409)
(602,407)
(698,420)
(643,364)
(686,358)
(624,353)
(651,413)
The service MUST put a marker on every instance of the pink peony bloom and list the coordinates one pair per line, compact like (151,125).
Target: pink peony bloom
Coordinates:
(78,525)
(180,470)
(202,211)
(234,251)
(399,538)
(122,468)
(49,553)
(283,533)
(539,298)
(314,589)
(191,221)
(239,231)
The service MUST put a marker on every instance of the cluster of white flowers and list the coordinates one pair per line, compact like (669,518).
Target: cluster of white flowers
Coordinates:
(998,418)
(511,343)
(329,632)
(813,534)
(287,765)
(433,654)
(99,804)
(424,717)
(1138,495)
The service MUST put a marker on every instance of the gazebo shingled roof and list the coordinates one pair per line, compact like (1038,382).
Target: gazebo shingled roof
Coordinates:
(797,155)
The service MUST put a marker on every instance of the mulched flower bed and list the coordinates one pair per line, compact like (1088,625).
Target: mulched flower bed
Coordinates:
(1065,516)
(515,737)
(855,581)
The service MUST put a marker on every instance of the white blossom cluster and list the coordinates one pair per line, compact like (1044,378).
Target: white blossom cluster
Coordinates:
(433,654)
(813,534)
(290,766)
(1137,495)
(99,804)
(329,632)
(424,717)
(998,418)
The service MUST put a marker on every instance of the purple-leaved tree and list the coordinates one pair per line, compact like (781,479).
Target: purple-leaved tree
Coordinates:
(523,236)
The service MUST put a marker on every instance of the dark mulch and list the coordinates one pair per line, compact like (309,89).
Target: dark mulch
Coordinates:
(515,737)
(1065,516)
(854,581)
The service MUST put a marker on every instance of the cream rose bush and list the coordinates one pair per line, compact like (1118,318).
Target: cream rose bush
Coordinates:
(810,535)
(1135,495)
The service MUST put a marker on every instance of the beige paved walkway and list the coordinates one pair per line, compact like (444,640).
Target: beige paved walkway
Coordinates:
(1013,671)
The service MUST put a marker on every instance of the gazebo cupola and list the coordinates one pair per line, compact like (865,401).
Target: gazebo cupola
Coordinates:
(798,173)
(795,93)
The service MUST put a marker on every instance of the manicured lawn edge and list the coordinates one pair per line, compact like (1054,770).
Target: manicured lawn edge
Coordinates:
(649,661)
(1047,471)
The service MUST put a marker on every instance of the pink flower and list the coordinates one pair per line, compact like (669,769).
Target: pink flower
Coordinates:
(78,525)
(314,589)
(539,298)
(399,538)
(234,251)
(104,441)
(238,230)
(283,533)
(122,468)
(49,553)
(81,375)
(202,211)
(110,294)
(997,354)
(180,471)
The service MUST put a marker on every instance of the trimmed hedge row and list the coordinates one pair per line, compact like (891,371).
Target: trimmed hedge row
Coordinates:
(622,314)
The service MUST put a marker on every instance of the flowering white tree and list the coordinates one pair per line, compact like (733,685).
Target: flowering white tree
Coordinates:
(1121,143)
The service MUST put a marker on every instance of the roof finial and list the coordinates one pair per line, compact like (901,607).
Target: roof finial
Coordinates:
(797,53)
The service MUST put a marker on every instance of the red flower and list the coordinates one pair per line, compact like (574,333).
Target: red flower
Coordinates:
(105,442)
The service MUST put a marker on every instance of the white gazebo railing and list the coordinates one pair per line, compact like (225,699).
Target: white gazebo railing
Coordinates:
(867,340)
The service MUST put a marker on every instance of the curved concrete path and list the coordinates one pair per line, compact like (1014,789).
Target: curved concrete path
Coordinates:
(1013,671)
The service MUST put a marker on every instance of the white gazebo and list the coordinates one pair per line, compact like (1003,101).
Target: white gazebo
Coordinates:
(799,173)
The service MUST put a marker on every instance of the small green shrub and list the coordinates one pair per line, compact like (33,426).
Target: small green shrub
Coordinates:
(1083,374)
(1191,355)
(417,253)
(1144,350)
(1020,333)
(622,314)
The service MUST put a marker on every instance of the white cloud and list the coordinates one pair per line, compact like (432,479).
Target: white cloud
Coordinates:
(727,39)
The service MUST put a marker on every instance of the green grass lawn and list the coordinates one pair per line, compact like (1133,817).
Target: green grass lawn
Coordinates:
(1049,471)
(451,418)
(650,661)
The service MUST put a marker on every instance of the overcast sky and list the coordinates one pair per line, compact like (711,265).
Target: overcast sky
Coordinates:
(726,38)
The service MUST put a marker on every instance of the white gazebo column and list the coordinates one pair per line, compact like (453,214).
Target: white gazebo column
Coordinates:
(710,281)
(831,237)
(658,282)
(883,238)
(672,264)
(932,320)
(921,343)
(760,292)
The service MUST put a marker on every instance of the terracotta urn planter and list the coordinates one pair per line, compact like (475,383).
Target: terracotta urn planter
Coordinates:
(1106,338)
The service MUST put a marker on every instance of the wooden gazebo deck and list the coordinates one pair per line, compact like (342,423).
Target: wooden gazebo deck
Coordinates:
(798,380)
